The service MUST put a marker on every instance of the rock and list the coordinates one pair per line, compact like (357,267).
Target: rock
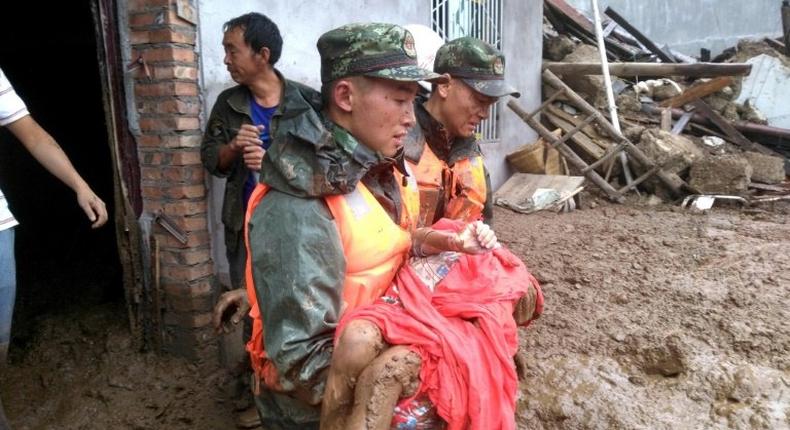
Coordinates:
(665,90)
(590,85)
(558,47)
(665,359)
(730,112)
(634,133)
(743,385)
(766,168)
(750,113)
(675,153)
(722,174)
(628,101)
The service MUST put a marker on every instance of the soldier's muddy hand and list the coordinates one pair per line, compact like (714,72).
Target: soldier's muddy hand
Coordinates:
(231,307)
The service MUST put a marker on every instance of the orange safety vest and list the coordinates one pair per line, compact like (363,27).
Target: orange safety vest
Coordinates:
(374,248)
(467,190)
(432,176)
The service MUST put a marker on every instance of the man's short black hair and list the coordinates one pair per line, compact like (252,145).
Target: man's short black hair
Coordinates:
(259,32)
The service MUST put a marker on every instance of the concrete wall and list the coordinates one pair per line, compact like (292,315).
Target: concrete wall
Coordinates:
(522,44)
(301,22)
(687,26)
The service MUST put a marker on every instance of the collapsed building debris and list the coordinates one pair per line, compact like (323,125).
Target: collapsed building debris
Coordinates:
(689,126)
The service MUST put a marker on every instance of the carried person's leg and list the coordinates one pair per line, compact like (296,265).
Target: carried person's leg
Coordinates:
(358,345)
(392,375)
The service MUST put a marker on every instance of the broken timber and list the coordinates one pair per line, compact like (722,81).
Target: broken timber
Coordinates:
(672,181)
(696,70)
(697,92)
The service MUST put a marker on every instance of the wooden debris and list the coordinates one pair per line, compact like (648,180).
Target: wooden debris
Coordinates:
(518,192)
(616,17)
(696,70)
(697,91)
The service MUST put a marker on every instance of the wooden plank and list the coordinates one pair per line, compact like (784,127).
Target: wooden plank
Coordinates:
(721,122)
(666,120)
(698,91)
(639,36)
(743,126)
(565,150)
(519,189)
(581,27)
(580,139)
(588,129)
(779,46)
(696,70)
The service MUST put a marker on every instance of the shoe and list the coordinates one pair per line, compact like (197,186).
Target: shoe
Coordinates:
(248,419)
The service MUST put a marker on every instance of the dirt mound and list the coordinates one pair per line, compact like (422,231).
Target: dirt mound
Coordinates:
(81,372)
(656,318)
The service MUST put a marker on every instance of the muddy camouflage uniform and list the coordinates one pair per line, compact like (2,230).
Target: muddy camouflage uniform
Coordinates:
(296,251)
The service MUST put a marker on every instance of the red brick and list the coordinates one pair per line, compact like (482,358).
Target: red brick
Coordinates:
(185,191)
(150,173)
(174,72)
(194,239)
(148,141)
(168,123)
(184,208)
(143,4)
(161,35)
(198,288)
(190,304)
(187,257)
(195,223)
(188,319)
(185,158)
(182,141)
(151,158)
(152,191)
(184,174)
(162,89)
(169,105)
(167,53)
(188,273)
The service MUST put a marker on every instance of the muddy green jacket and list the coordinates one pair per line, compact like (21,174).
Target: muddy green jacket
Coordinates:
(230,111)
(297,254)
(431,132)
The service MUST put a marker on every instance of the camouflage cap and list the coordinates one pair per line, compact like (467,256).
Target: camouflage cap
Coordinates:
(477,63)
(371,49)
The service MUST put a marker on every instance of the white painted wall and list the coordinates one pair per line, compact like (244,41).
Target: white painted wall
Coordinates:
(301,22)
(687,26)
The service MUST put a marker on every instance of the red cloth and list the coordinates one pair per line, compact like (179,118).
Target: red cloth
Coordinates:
(465,333)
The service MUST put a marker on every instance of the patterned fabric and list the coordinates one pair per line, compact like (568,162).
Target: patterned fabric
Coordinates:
(371,49)
(477,63)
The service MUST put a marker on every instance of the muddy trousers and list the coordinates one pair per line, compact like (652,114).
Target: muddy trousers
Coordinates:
(279,412)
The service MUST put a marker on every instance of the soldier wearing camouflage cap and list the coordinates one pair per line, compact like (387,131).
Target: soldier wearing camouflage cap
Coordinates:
(331,221)
(443,150)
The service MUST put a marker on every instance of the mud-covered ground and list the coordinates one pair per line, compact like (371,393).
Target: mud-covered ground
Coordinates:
(655,318)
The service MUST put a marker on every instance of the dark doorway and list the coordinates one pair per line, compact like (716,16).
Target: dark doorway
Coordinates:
(49,54)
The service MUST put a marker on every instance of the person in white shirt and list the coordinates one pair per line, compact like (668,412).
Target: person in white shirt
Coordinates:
(15,116)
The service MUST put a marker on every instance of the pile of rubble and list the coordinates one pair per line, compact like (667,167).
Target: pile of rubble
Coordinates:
(685,126)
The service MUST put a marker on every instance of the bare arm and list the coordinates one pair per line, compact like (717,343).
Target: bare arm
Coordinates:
(44,149)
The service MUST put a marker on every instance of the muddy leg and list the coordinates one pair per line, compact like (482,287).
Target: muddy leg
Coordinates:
(395,373)
(525,308)
(358,345)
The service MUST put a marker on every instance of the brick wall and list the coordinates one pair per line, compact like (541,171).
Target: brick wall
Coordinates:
(168,108)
